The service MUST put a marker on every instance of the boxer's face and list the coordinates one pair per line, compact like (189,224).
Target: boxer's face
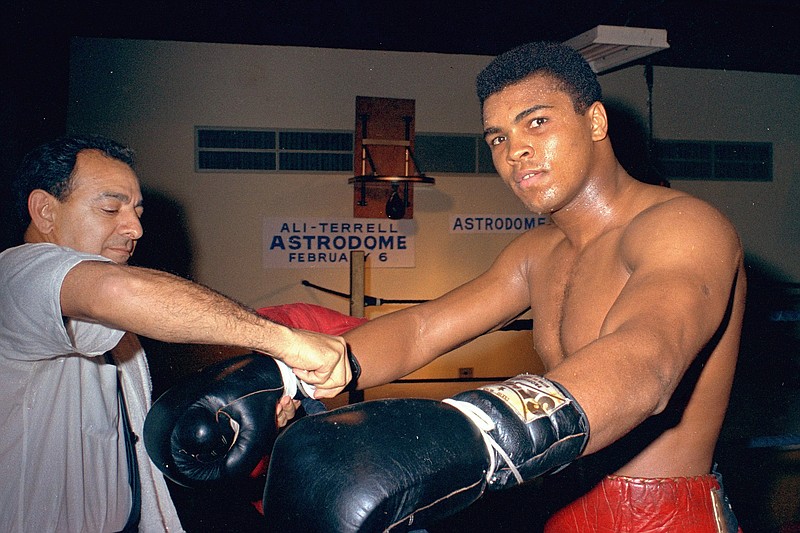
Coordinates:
(540,146)
(101,213)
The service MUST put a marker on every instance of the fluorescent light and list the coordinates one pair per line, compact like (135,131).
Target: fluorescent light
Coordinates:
(608,47)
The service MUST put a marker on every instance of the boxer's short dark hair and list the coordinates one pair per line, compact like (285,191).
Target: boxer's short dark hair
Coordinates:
(561,62)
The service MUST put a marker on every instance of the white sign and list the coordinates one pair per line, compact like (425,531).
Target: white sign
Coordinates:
(495,223)
(327,242)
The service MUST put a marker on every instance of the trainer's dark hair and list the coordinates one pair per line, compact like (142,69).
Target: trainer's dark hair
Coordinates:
(563,63)
(50,167)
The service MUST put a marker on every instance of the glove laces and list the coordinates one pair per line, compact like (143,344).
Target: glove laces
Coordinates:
(485,424)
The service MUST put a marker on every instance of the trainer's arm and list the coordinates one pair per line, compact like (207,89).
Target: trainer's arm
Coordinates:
(171,309)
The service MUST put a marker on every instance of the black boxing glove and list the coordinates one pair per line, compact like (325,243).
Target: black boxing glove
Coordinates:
(394,465)
(219,424)
(369,465)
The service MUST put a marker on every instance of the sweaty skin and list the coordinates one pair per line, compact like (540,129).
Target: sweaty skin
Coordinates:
(636,290)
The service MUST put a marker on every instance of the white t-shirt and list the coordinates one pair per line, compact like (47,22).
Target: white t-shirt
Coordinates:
(62,454)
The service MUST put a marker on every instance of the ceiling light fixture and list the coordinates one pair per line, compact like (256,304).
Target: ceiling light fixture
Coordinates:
(608,47)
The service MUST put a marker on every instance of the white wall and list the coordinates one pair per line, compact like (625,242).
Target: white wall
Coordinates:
(734,106)
(152,94)
(741,106)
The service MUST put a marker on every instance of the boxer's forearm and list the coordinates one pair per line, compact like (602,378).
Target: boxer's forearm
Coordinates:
(398,343)
(387,348)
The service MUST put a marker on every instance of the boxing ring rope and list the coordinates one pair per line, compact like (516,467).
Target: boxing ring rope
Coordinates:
(369,301)
(520,324)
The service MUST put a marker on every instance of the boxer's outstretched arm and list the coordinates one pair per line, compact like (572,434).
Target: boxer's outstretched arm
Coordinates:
(686,284)
(171,309)
(394,345)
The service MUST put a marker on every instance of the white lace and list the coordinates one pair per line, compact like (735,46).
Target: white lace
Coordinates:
(485,424)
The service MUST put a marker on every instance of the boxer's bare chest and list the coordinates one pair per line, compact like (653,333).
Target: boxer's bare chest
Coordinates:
(572,292)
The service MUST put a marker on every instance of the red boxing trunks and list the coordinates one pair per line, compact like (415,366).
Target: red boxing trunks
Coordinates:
(668,505)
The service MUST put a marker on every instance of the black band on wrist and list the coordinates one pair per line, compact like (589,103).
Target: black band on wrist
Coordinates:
(355,370)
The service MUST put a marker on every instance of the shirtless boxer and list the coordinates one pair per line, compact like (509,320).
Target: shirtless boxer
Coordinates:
(636,293)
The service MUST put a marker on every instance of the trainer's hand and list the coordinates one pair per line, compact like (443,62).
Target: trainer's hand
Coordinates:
(285,410)
(319,360)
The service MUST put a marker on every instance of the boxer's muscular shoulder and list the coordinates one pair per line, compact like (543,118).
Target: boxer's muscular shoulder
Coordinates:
(676,211)
(679,220)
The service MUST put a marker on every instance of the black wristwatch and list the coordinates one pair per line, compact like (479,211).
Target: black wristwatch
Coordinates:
(355,370)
